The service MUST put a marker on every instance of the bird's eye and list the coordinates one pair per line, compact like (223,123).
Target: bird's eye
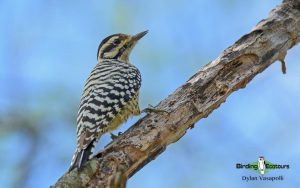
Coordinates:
(116,42)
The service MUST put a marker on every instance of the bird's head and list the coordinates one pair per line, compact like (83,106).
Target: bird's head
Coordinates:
(118,46)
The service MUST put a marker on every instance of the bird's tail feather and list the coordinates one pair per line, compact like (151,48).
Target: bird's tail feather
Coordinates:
(80,157)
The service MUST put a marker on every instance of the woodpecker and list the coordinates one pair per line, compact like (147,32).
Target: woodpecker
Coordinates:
(110,95)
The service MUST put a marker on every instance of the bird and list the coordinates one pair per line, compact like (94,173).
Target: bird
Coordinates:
(110,95)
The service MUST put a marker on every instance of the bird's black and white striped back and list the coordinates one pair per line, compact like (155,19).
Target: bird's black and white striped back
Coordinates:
(111,85)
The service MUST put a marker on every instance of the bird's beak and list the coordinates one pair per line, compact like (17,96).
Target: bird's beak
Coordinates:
(139,35)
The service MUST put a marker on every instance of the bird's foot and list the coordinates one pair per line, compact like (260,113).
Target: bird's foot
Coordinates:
(151,109)
(113,136)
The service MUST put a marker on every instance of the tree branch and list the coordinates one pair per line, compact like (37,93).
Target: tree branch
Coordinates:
(196,99)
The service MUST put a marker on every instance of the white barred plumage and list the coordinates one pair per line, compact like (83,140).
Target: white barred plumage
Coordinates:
(110,95)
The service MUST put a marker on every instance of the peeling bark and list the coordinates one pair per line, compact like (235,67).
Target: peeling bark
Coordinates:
(197,98)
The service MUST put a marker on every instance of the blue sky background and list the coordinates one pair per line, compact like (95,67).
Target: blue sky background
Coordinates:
(48,48)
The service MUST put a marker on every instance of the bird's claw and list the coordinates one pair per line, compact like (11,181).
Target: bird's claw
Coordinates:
(151,109)
(113,136)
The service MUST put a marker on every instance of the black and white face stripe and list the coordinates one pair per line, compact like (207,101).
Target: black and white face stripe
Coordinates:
(104,41)
(114,47)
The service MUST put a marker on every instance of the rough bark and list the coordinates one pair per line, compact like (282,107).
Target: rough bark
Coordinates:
(196,99)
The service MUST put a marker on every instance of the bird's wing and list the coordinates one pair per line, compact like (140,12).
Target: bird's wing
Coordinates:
(107,91)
